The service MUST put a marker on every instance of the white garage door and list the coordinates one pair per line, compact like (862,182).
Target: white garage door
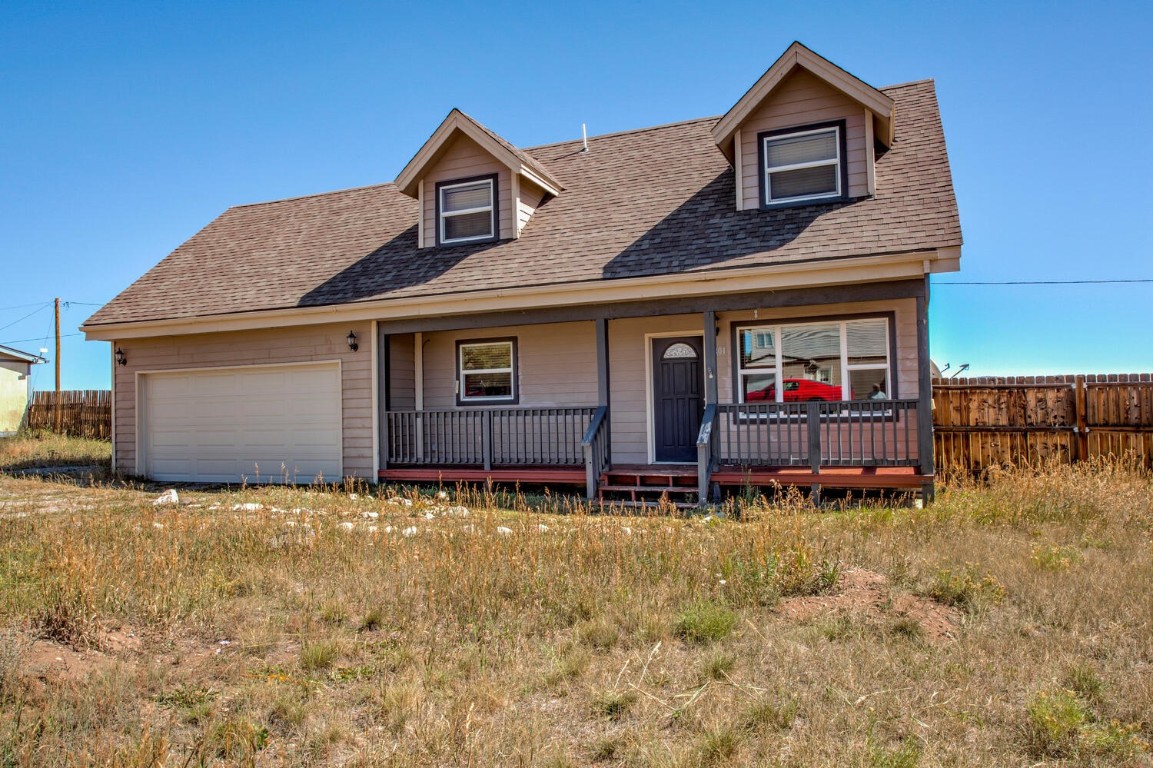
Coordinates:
(260,424)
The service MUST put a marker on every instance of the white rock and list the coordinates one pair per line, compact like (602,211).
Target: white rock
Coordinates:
(248,506)
(347,526)
(429,516)
(371,529)
(542,528)
(457,512)
(503,531)
(353,496)
(470,528)
(370,515)
(627,531)
(409,532)
(158,526)
(388,529)
(441,495)
(166,498)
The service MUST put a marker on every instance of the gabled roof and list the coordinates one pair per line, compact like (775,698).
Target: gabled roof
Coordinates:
(360,245)
(24,357)
(502,150)
(797,55)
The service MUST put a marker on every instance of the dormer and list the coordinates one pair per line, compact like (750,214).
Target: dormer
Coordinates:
(807,132)
(473,186)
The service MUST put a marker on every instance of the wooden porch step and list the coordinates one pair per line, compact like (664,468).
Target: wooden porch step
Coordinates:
(650,488)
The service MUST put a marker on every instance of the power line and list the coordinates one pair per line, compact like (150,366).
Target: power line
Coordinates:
(1047,282)
(33,312)
(43,339)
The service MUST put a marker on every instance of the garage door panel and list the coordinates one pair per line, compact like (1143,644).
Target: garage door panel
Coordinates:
(222,426)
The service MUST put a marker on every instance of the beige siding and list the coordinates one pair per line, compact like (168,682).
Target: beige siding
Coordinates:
(906,333)
(530,198)
(300,344)
(557,364)
(461,159)
(629,380)
(401,373)
(13,394)
(803,99)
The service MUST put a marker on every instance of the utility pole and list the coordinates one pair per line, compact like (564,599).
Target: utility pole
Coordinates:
(57,399)
(58,344)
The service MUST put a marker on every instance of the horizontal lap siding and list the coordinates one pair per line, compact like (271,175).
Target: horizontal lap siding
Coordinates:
(629,384)
(530,197)
(557,364)
(802,100)
(263,347)
(401,373)
(463,159)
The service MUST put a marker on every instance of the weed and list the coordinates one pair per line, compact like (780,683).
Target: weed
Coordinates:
(317,656)
(966,590)
(769,714)
(907,755)
(908,628)
(1054,558)
(717,746)
(718,665)
(614,704)
(599,634)
(704,622)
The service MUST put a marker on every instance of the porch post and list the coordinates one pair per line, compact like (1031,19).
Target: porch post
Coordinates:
(710,330)
(705,451)
(602,333)
(382,392)
(924,396)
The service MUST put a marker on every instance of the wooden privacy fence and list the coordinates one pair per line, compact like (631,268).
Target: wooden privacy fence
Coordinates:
(77,412)
(987,421)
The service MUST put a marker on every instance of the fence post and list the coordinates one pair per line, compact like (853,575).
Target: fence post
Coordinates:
(1080,401)
(813,416)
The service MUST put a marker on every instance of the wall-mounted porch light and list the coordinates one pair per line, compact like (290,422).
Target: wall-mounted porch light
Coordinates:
(352,341)
(121,358)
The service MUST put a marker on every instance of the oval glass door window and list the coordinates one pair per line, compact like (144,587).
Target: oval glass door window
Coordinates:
(679,351)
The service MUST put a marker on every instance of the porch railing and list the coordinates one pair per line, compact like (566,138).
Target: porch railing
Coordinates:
(596,449)
(489,437)
(877,433)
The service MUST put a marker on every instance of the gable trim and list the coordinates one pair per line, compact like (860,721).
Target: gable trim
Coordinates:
(409,178)
(797,55)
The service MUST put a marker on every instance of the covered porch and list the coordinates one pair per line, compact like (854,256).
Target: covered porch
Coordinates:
(648,398)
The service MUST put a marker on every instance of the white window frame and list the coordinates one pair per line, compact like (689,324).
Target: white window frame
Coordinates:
(768,172)
(463,395)
(846,382)
(490,208)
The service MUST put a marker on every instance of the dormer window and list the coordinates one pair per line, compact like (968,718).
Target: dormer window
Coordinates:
(803,165)
(466,211)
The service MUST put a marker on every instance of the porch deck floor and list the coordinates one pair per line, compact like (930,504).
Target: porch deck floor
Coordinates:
(679,476)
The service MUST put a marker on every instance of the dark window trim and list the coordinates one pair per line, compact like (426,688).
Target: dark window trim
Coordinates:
(514,400)
(843,162)
(495,178)
(890,316)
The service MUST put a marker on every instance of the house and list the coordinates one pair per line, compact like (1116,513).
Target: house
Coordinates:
(15,387)
(629,314)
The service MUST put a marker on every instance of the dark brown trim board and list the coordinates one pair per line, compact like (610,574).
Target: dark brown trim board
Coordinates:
(514,400)
(843,164)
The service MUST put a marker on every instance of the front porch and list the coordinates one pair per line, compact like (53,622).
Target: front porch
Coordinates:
(633,402)
(846,444)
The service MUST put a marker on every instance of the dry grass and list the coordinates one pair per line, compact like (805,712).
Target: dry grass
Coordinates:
(323,628)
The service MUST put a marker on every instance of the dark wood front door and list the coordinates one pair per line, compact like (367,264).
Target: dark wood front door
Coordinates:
(677,403)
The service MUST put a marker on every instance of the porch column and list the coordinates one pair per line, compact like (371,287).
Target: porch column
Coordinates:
(382,391)
(602,333)
(924,395)
(710,331)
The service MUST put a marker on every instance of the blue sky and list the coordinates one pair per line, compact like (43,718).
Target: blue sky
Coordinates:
(128,126)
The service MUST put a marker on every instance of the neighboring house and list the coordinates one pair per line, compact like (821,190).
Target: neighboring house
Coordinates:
(562,314)
(15,387)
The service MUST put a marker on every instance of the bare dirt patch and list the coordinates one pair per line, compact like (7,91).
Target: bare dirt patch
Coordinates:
(867,595)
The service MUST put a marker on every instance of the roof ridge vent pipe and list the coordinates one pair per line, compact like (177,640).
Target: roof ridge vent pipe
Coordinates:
(584,137)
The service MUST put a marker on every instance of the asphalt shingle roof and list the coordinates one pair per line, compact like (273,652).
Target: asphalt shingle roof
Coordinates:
(640,203)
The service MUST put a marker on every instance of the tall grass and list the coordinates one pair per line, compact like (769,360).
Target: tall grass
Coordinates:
(343,627)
